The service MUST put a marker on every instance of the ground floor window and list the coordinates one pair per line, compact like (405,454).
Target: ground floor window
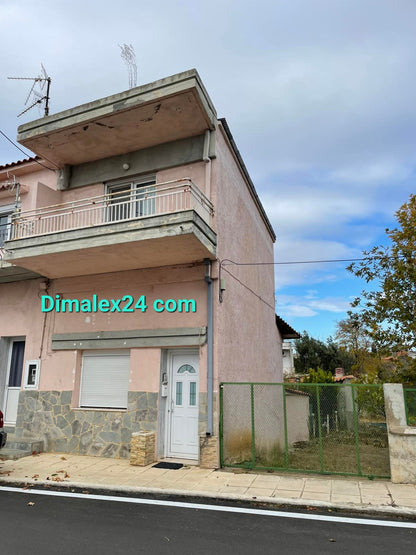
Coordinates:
(105,379)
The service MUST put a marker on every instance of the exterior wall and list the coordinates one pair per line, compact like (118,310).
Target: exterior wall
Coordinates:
(247,345)
(246,337)
(51,413)
(39,186)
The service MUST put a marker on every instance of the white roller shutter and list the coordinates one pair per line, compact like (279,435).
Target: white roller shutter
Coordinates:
(105,379)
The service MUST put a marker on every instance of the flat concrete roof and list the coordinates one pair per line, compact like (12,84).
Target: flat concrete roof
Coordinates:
(172,108)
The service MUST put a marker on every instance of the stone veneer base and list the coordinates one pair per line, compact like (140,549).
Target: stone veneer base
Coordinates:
(48,416)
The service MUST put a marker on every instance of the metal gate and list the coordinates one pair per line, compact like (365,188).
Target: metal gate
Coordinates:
(320,428)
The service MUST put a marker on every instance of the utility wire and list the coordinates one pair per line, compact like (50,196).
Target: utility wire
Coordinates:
(251,290)
(227,262)
(27,154)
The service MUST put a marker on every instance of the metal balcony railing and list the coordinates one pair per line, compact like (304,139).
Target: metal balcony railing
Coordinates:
(119,206)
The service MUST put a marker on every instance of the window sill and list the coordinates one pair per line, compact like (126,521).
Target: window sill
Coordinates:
(99,409)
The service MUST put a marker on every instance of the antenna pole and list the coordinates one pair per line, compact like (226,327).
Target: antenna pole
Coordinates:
(42,79)
(48,84)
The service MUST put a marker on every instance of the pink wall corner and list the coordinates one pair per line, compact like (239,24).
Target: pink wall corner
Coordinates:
(247,348)
(195,171)
(45,196)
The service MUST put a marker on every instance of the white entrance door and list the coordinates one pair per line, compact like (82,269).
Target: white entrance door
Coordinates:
(14,381)
(183,408)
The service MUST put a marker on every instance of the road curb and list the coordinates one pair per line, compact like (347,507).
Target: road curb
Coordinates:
(385,510)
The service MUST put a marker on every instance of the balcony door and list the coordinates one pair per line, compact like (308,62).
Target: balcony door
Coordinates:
(130,200)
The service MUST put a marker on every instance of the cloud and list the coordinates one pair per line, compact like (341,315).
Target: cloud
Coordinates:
(291,306)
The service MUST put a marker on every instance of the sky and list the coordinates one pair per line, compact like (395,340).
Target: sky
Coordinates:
(319,95)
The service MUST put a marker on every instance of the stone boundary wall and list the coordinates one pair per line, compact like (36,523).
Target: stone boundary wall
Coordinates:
(48,416)
(402,438)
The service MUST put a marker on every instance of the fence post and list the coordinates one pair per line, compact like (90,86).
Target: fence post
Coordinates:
(318,406)
(253,436)
(221,430)
(356,437)
(285,426)
(402,438)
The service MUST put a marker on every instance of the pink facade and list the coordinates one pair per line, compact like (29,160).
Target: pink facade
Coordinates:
(158,233)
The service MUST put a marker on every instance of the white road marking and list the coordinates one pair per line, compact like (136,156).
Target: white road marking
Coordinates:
(218,508)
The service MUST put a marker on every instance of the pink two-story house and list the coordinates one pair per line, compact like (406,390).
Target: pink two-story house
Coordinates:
(113,316)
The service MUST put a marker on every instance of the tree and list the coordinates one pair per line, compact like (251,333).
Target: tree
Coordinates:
(389,311)
(313,354)
(353,335)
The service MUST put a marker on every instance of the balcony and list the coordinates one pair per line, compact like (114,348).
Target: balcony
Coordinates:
(158,225)
(8,272)
(164,111)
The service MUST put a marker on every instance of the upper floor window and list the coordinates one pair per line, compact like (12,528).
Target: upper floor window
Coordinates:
(5,223)
(132,199)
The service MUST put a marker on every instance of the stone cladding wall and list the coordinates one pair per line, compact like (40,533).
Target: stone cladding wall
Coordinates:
(48,416)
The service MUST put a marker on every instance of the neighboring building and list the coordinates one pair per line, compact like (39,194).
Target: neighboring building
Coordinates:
(118,237)
(288,352)
(288,358)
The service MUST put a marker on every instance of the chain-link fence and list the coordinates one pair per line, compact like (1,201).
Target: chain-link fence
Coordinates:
(410,405)
(324,428)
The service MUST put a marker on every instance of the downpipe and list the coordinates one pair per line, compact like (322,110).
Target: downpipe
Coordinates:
(210,348)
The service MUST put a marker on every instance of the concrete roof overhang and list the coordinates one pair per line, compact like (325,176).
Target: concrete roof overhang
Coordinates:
(172,108)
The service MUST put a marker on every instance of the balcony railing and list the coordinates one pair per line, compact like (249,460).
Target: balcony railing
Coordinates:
(4,236)
(118,206)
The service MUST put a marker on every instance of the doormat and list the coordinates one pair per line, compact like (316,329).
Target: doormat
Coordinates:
(169,465)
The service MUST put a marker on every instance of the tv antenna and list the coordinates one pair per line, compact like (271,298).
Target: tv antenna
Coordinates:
(37,93)
(129,56)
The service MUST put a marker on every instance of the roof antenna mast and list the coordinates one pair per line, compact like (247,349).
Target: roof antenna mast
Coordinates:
(129,56)
(40,95)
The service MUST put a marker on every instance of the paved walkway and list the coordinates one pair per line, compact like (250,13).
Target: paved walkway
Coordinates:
(116,474)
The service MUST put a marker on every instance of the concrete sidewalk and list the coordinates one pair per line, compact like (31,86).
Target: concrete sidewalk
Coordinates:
(288,489)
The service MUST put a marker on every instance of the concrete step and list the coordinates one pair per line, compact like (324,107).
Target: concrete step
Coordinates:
(20,444)
(13,454)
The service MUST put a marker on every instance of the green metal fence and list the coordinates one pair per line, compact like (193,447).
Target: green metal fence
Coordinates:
(320,428)
(410,405)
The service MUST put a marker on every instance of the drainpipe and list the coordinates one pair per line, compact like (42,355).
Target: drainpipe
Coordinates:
(210,349)
(207,160)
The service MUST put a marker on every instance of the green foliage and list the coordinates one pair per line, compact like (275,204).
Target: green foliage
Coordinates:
(319,376)
(389,311)
(313,353)
(410,400)
(370,401)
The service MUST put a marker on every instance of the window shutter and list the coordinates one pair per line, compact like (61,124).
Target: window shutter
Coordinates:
(105,380)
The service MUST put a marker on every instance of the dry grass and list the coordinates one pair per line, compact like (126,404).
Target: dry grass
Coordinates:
(338,453)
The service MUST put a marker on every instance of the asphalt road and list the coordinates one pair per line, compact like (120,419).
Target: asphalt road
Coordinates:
(60,525)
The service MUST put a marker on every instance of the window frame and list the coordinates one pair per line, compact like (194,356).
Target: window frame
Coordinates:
(6,210)
(83,389)
(134,187)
